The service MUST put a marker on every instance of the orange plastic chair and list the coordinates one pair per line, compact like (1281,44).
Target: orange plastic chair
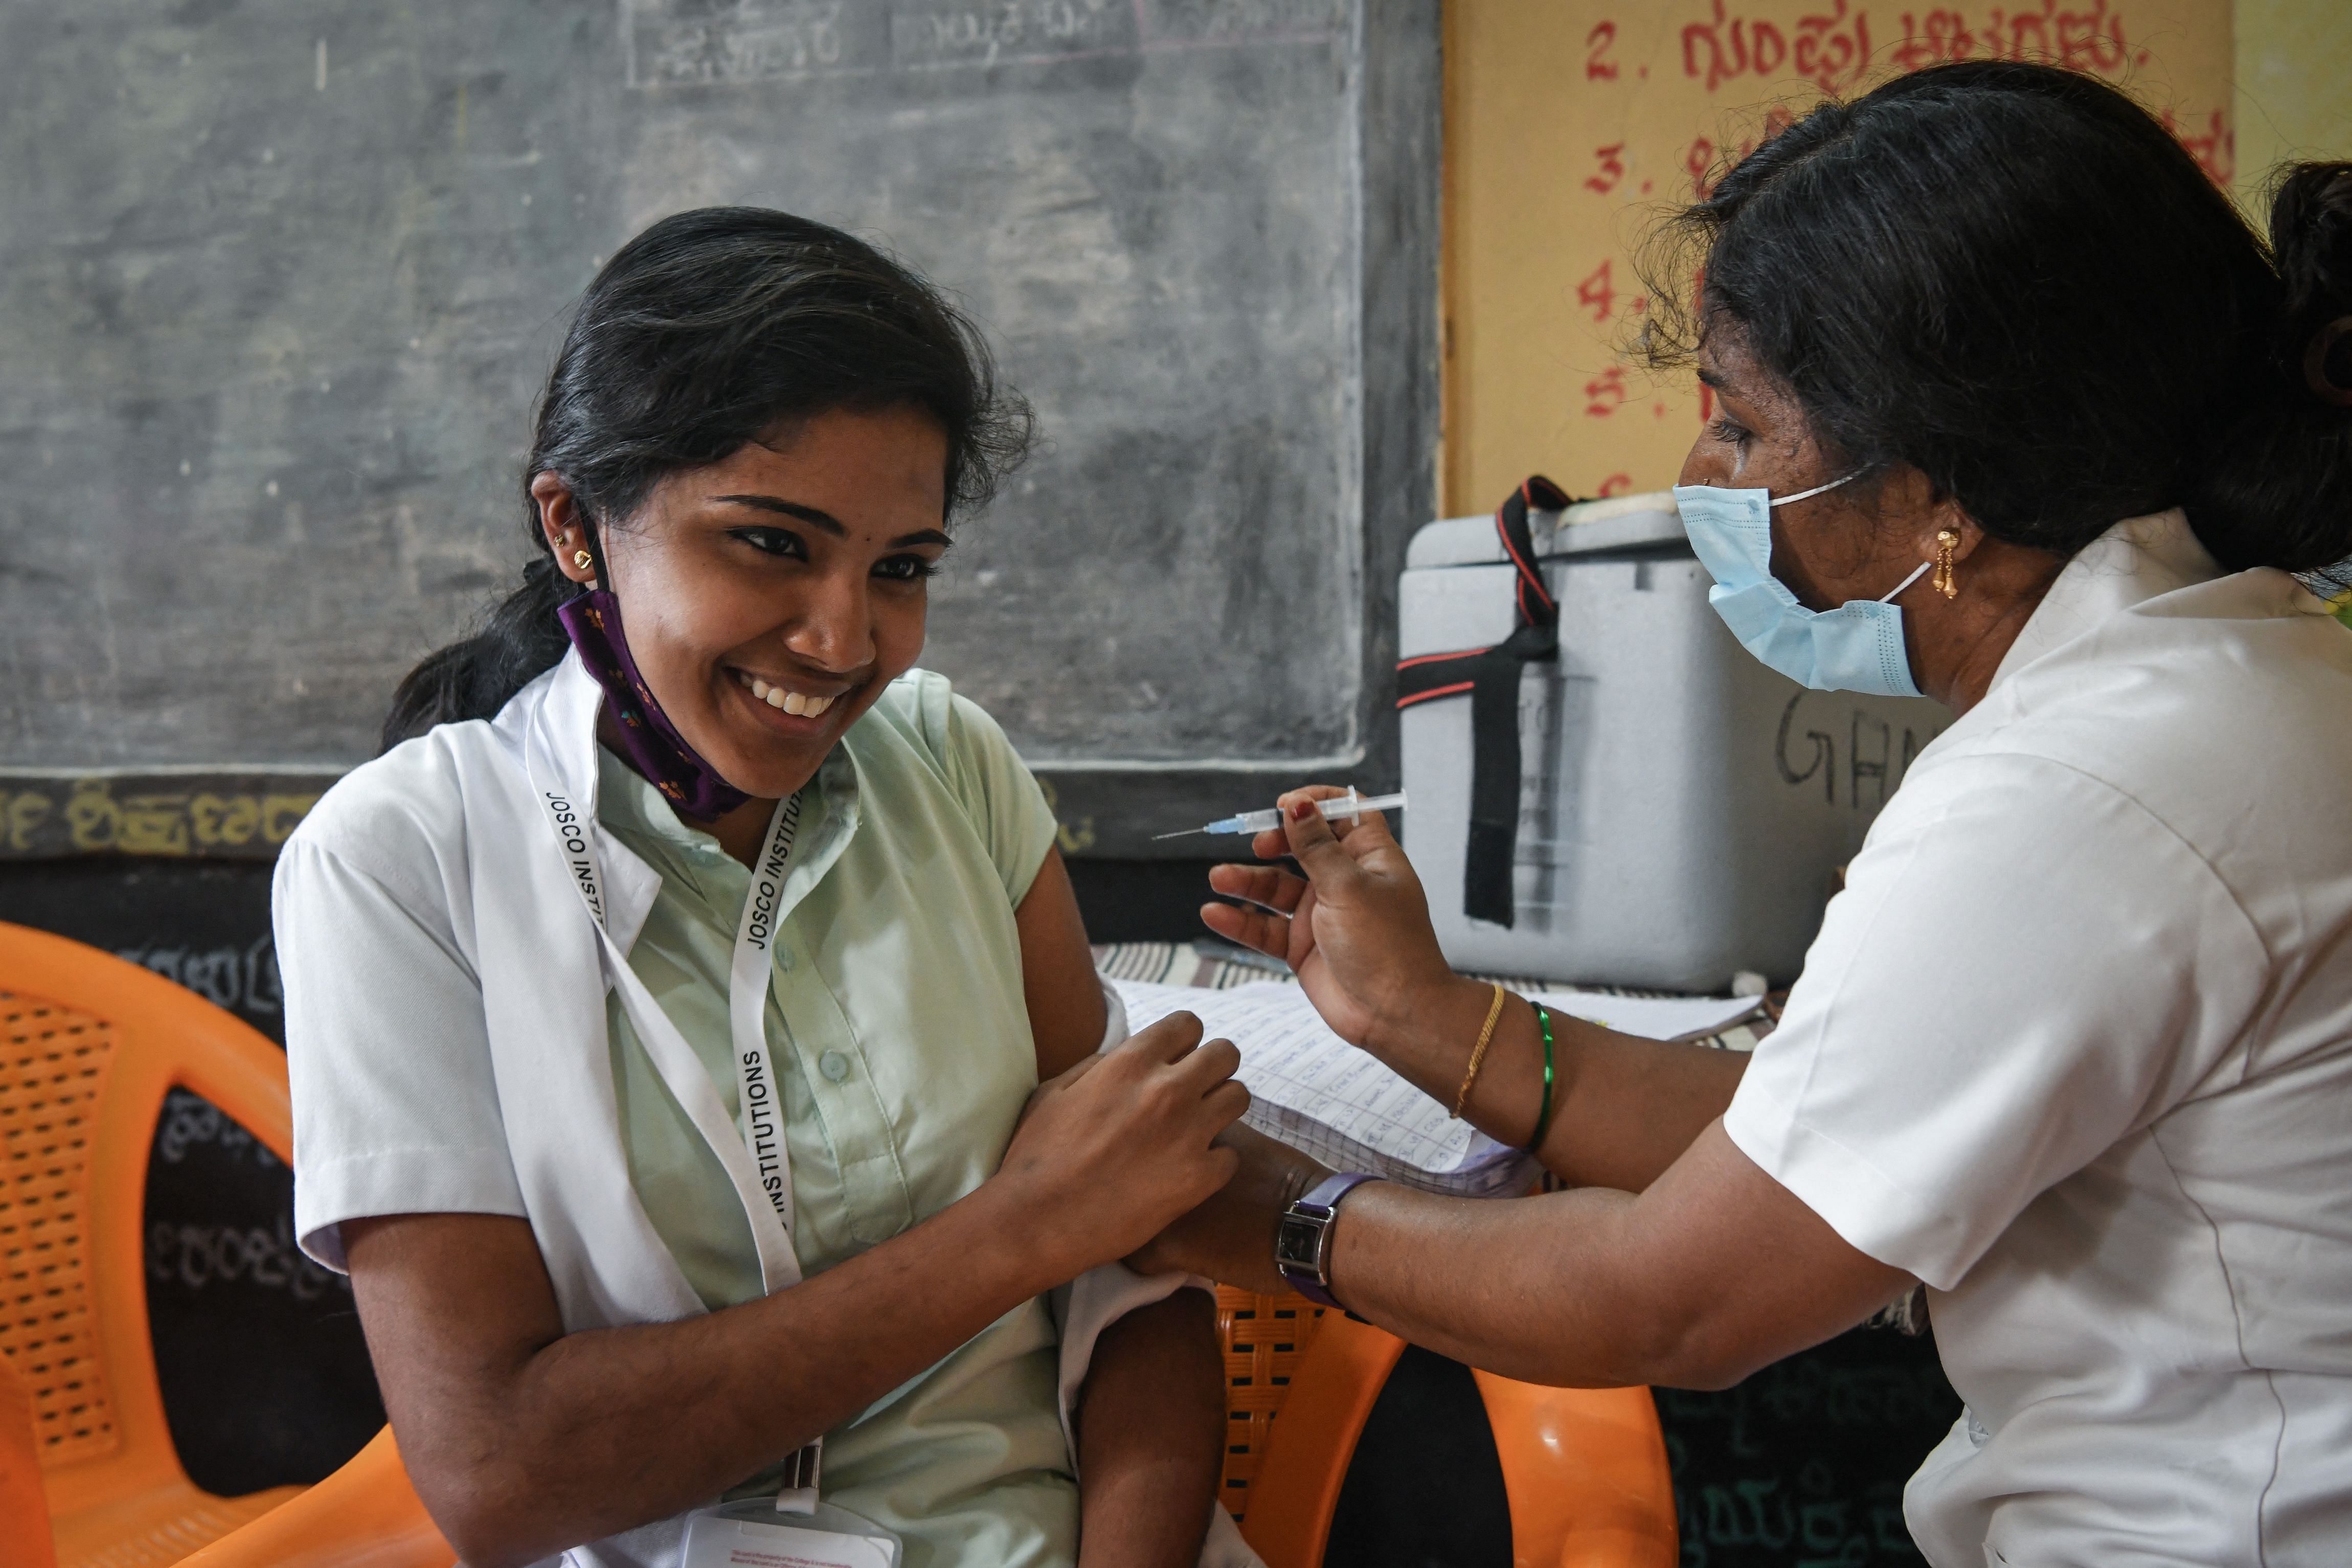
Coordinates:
(365,1515)
(89,1044)
(24,1509)
(1585,1469)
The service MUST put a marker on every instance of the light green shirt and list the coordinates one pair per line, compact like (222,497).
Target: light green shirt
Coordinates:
(901,1047)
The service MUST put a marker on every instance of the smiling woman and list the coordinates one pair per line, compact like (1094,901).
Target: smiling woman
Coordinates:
(667,1007)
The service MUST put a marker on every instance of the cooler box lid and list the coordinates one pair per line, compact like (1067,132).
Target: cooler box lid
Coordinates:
(1588,527)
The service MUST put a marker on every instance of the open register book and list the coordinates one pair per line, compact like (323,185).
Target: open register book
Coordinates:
(1322,1096)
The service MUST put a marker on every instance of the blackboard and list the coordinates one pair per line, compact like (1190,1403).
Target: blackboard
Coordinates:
(1804,1462)
(279,282)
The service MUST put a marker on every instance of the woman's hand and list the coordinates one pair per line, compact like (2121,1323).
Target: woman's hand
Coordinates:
(1230,1238)
(1107,1153)
(1357,932)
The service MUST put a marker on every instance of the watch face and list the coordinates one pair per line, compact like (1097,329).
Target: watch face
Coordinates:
(1298,1243)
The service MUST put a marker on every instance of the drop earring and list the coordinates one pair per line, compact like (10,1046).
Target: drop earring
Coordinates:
(1944,582)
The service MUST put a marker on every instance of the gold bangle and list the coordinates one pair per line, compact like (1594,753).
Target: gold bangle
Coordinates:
(1479,1053)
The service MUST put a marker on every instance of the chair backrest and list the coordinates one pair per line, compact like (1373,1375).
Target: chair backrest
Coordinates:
(1584,1468)
(89,1047)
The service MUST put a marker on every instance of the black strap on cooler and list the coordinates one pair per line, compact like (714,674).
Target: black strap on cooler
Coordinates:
(1490,678)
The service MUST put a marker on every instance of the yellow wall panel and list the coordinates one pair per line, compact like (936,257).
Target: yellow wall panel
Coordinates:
(1572,126)
(2295,85)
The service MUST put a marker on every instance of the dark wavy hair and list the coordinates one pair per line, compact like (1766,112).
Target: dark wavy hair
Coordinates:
(2014,279)
(708,330)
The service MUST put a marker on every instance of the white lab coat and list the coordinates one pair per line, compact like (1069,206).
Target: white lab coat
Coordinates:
(2075,1048)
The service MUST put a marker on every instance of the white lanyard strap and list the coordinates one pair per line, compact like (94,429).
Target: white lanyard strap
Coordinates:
(757,1164)
(759,1116)
(765,1193)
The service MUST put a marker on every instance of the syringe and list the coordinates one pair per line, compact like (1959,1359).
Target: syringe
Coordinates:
(1337,809)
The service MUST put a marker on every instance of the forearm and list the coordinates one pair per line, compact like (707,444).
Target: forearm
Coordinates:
(1623,1108)
(1150,1422)
(600,1431)
(1539,1289)
(1712,1272)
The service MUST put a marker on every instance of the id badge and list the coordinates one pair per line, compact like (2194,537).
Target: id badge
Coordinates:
(753,1534)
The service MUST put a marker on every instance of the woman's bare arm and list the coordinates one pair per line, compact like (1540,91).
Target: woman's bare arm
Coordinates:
(1152,1414)
(1151,1436)
(523,1440)
(1066,1011)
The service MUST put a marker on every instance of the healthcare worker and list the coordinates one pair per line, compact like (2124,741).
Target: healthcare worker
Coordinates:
(661,1005)
(2009,407)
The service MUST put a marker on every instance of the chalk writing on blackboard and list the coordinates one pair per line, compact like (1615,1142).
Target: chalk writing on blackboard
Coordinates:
(191,1121)
(197,1256)
(1800,1464)
(234,815)
(673,43)
(225,976)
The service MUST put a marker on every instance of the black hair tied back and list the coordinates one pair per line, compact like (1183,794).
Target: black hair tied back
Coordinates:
(2012,277)
(2277,489)
(710,329)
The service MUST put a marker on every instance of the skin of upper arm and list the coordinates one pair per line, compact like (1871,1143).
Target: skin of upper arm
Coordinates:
(1751,1274)
(455,1306)
(1066,1012)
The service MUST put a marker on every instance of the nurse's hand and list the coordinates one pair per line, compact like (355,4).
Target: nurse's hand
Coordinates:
(1110,1152)
(1230,1238)
(1356,930)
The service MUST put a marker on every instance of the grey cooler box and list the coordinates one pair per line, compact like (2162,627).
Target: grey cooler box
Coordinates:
(1683,809)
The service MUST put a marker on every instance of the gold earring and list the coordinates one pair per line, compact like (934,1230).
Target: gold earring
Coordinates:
(1946,541)
(582,560)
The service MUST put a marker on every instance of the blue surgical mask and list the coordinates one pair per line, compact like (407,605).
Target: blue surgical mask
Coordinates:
(1857,647)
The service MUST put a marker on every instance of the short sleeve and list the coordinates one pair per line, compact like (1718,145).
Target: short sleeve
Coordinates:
(2025,967)
(1000,794)
(395,1109)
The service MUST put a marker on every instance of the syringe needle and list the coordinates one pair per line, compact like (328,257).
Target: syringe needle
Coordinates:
(1180,833)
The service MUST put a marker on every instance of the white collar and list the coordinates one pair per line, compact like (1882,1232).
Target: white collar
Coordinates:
(2130,564)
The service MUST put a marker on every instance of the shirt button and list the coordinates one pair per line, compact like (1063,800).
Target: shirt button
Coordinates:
(833,1065)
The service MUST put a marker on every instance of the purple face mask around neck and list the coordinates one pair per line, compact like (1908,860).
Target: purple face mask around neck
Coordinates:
(649,740)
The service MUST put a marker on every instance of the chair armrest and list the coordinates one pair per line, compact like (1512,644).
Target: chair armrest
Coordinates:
(365,1515)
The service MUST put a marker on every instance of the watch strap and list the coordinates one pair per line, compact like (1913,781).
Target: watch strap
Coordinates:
(1318,1208)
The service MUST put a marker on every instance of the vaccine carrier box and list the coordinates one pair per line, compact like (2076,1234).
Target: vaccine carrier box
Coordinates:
(1683,809)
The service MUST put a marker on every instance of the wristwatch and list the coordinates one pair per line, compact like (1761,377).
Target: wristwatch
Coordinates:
(1302,1242)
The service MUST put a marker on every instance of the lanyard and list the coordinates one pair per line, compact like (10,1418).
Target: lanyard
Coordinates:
(751,1152)
(747,1012)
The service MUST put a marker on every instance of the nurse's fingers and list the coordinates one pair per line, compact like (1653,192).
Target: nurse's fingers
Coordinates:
(1273,844)
(1267,886)
(1268,934)
(1312,843)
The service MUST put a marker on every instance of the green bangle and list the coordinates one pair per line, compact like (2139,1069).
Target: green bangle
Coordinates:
(1543,1117)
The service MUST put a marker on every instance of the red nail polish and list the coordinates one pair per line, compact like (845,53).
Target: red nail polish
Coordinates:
(1301,809)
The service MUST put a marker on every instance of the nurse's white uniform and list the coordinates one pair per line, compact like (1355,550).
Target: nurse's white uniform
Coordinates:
(2075,1048)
